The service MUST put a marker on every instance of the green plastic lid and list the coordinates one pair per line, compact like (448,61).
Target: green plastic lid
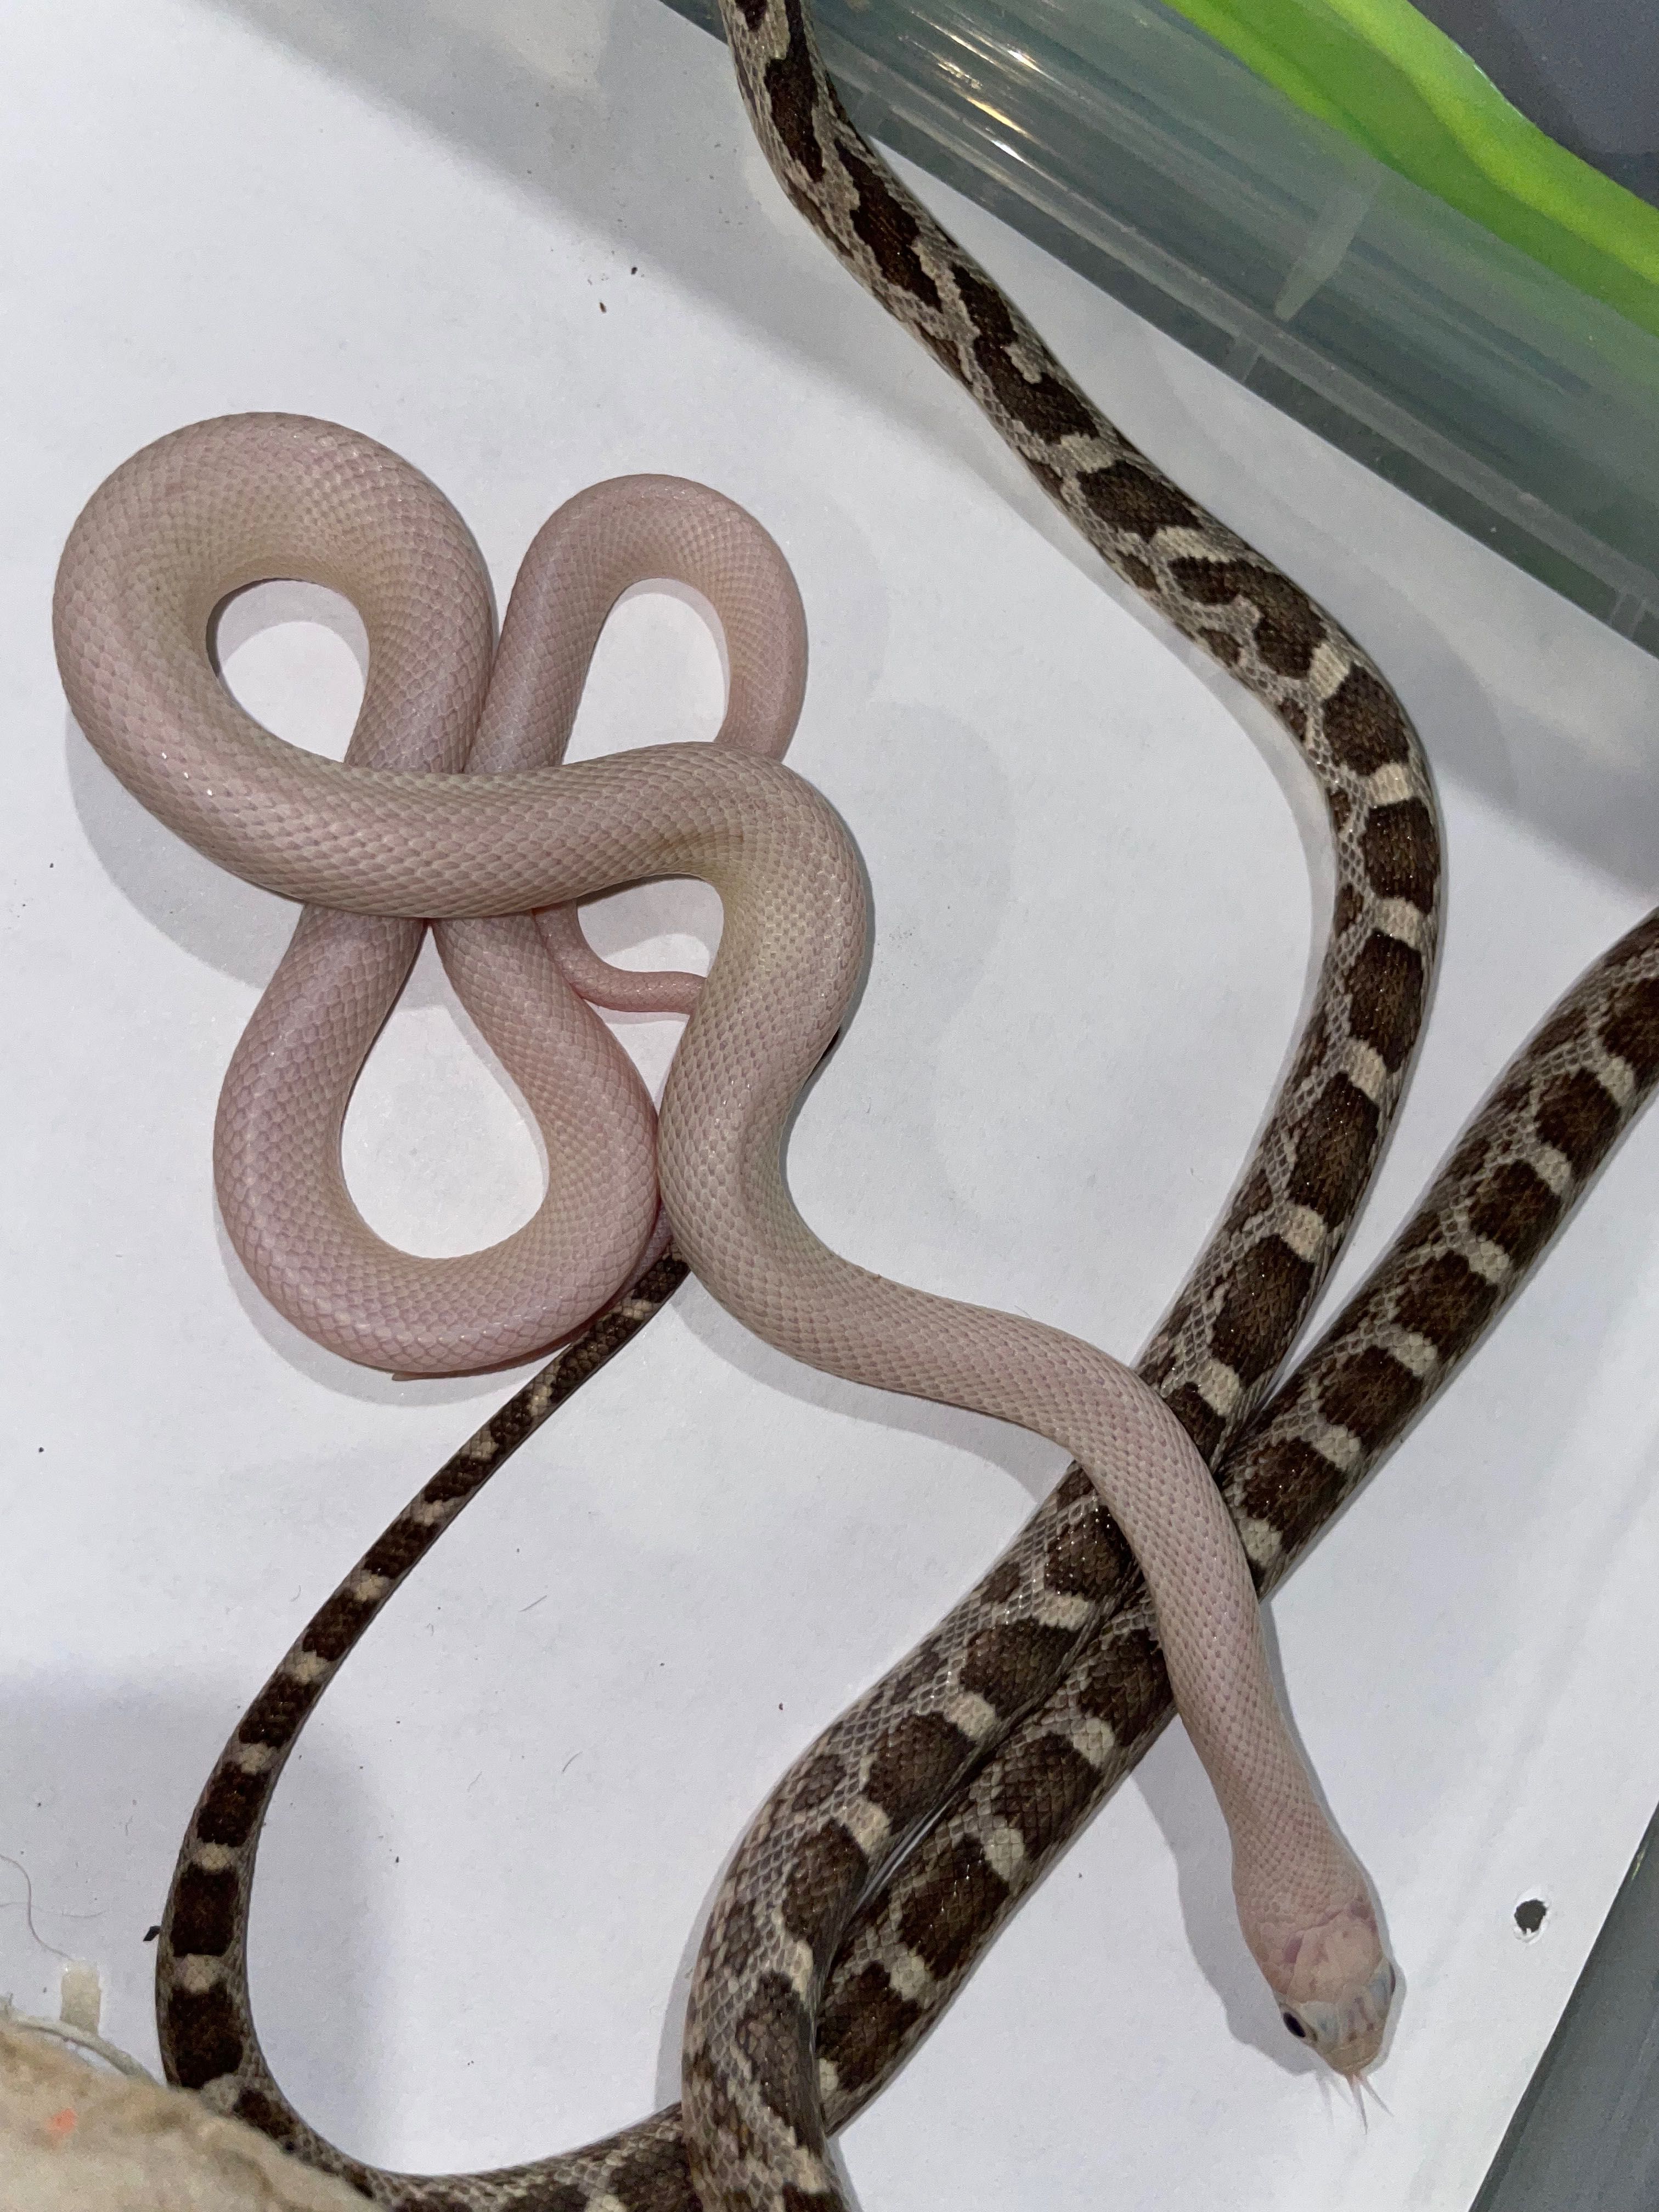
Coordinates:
(1387,77)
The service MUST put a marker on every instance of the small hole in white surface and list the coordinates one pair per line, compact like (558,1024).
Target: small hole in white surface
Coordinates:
(295,657)
(1530,1915)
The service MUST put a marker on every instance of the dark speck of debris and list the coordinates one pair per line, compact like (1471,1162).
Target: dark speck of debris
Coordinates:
(602,306)
(150,1934)
(1529,1915)
(635,270)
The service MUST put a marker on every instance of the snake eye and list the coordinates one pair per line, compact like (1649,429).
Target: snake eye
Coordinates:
(1295,2025)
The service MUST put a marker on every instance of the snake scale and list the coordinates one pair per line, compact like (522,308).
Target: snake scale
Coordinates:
(822,1967)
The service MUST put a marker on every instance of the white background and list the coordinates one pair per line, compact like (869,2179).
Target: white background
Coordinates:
(485,1873)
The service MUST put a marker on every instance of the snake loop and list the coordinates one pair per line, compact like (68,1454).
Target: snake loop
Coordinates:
(350,514)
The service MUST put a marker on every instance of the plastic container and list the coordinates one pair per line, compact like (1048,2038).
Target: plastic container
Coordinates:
(1135,149)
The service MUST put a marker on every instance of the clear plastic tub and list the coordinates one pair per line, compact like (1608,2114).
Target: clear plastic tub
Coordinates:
(1132,146)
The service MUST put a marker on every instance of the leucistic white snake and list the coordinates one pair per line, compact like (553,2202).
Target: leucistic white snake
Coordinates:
(213,508)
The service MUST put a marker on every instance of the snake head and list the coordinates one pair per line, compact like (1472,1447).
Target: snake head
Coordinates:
(1335,1988)
(1347,2033)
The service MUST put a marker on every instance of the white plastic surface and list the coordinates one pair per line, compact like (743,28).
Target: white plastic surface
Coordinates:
(531,253)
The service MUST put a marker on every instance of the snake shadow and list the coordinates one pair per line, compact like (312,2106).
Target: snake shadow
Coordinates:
(100,1782)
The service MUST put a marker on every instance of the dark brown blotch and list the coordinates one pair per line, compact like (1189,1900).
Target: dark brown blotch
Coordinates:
(339,1623)
(792,96)
(1372,1396)
(817,1779)
(1198,1418)
(1576,1115)
(1125,1679)
(725,2120)
(955,1905)
(1051,479)
(1365,726)
(404,1542)
(1255,1197)
(1156,1364)
(1043,1788)
(203,2036)
(1447,1301)
(1294,1489)
(655,2179)
(913,1679)
(1426,1226)
(863,2020)
(230,1806)
(890,230)
(1386,999)
(1044,404)
(1130,497)
(1401,851)
(943,348)
(275,1718)
(1005,1582)
(1565,1029)
(1335,1148)
(774,2034)
(1261,1312)
(826,1874)
(1015,1662)
(456,1481)
(203,1920)
(914,1765)
(1469,1158)
(1288,626)
(272,2118)
(1311,1053)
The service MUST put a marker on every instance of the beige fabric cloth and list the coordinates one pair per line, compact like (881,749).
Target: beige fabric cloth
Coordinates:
(74,2139)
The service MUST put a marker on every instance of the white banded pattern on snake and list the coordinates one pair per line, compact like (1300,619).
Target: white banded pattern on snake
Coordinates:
(1077,1719)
